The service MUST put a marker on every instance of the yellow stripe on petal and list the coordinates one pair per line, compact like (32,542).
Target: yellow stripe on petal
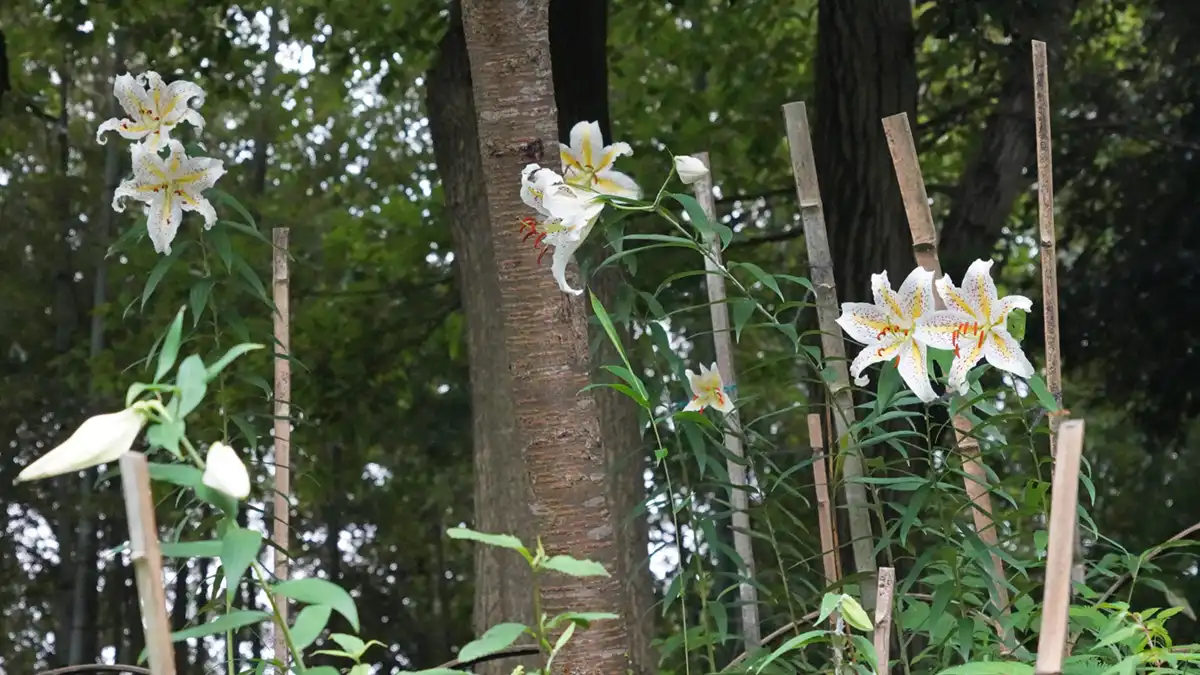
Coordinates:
(569,160)
(586,149)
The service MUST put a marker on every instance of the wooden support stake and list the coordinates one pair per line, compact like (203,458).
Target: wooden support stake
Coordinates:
(804,170)
(828,526)
(924,238)
(1047,237)
(1064,499)
(883,619)
(723,344)
(1047,241)
(283,427)
(146,555)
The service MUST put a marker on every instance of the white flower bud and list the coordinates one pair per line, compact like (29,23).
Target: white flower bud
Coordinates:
(225,472)
(690,169)
(99,440)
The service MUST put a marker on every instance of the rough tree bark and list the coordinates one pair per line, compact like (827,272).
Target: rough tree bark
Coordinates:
(502,494)
(501,486)
(545,330)
(579,58)
(866,70)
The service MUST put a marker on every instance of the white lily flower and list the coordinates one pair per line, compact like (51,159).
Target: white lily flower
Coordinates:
(587,162)
(708,390)
(887,328)
(973,325)
(99,440)
(225,472)
(168,188)
(690,169)
(154,108)
(568,215)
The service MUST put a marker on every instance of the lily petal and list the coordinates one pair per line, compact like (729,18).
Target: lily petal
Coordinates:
(1006,305)
(1004,352)
(939,329)
(723,402)
(979,288)
(873,353)
(132,96)
(970,351)
(610,155)
(916,293)
(886,298)
(564,251)
(175,99)
(954,298)
(163,216)
(863,322)
(913,370)
(587,143)
(617,184)
(126,128)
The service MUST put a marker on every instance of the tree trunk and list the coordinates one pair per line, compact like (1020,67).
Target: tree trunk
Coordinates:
(866,70)
(501,487)
(996,174)
(545,330)
(579,56)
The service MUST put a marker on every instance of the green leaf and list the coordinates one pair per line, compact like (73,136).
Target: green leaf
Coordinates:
(239,548)
(231,621)
(854,614)
(244,269)
(323,670)
(359,669)
(192,384)
(170,347)
(167,435)
(320,592)
(584,619)
(428,671)
(611,331)
(792,645)
(989,668)
(796,280)
(351,644)
(741,310)
(175,474)
(559,644)
(829,603)
(498,637)
(1038,386)
(191,549)
(160,270)
(499,540)
(227,199)
(220,240)
(760,274)
(308,626)
(1016,325)
(574,567)
(696,215)
(229,357)
(198,298)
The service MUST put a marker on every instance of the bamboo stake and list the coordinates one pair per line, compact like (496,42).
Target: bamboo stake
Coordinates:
(883,619)
(146,555)
(723,344)
(804,169)
(829,553)
(1047,240)
(924,237)
(283,428)
(1049,258)
(1064,500)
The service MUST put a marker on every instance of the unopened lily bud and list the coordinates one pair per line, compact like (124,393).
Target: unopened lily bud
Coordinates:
(225,472)
(99,440)
(690,169)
